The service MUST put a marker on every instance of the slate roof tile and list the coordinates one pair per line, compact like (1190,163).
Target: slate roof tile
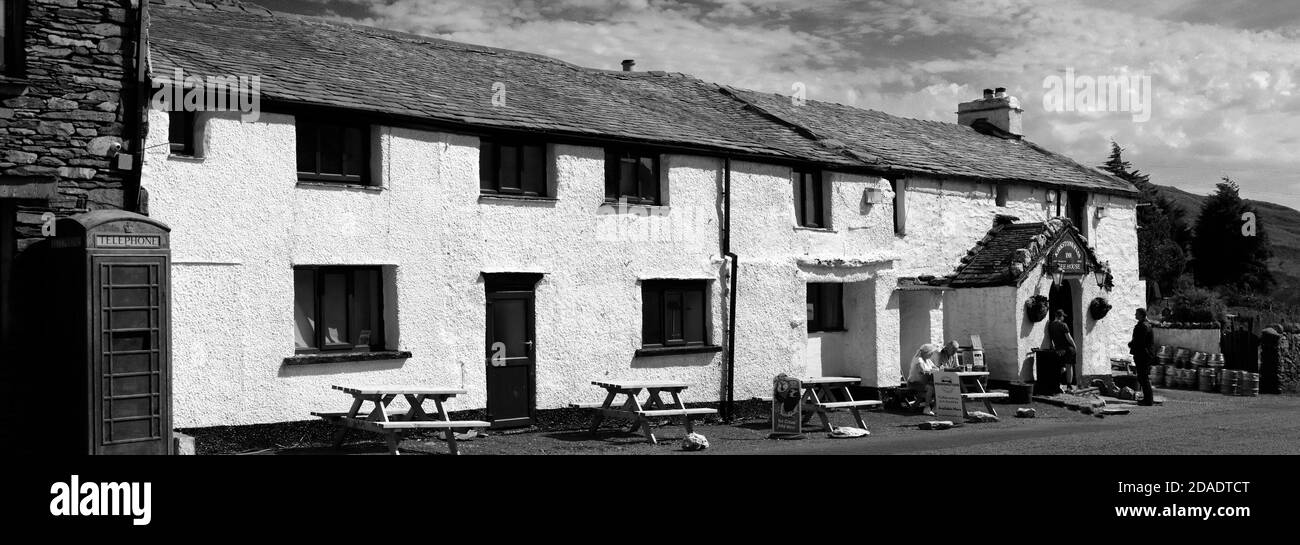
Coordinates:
(330,63)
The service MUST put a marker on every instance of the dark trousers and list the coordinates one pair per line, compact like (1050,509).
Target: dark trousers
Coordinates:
(1144,379)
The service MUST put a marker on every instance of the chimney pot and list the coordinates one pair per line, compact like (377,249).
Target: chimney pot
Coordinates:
(628,64)
(996,107)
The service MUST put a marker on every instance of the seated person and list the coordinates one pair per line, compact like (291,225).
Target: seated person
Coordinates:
(920,375)
(948,356)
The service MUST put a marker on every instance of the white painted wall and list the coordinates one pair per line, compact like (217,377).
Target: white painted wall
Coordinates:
(1196,340)
(241,222)
(945,218)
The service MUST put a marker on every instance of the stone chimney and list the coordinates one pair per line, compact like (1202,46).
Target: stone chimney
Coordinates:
(628,64)
(996,108)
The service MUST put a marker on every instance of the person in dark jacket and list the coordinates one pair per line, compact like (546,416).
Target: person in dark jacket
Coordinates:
(1058,332)
(1143,349)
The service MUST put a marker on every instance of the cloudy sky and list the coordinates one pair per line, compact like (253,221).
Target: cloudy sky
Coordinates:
(1224,75)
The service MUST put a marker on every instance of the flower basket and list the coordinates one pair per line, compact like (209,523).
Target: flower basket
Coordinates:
(1036,308)
(1099,308)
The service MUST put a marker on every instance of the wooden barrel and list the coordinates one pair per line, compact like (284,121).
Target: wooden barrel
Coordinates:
(1168,375)
(1157,376)
(1165,352)
(1181,357)
(1216,360)
(1229,382)
(1207,379)
(1250,384)
(1199,359)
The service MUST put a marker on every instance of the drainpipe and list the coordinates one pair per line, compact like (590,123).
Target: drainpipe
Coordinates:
(136,106)
(728,406)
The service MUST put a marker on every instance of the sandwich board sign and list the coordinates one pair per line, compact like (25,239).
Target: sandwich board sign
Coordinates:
(947,395)
(787,405)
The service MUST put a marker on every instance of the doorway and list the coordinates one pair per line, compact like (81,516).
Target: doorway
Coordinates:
(510,350)
(1064,297)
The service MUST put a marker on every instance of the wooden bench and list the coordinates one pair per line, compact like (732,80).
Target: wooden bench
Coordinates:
(984,395)
(676,412)
(389,422)
(848,404)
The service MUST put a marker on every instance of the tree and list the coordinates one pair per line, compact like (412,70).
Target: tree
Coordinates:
(1225,256)
(1162,227)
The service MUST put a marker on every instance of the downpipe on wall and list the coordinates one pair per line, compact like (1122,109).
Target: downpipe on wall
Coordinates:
(729,402)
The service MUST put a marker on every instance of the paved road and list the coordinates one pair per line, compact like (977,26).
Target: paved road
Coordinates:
(1188,423)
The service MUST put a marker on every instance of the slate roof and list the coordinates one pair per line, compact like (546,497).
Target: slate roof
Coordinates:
(1010,251)
(326,63)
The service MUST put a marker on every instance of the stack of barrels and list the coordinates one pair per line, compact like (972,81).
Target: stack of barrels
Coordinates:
(1185,369)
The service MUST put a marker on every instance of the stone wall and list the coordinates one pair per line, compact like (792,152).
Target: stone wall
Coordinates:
(64,111)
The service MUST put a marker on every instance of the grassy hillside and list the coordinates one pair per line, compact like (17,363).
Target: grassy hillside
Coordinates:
(1283,227)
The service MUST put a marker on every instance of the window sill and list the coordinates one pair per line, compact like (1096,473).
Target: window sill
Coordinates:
(814,229)
(841,330)
(674,350)
(344,357)
(617,206)
(500,197)
(185,157)
(339,185)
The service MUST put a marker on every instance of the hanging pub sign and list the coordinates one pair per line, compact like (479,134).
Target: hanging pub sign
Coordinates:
(1068,256)
(787,405)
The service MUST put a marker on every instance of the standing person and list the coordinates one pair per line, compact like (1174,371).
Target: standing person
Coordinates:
(920,375)
(1143,349)
(1063,345)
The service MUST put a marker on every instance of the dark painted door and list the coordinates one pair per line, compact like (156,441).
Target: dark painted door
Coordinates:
(511,391)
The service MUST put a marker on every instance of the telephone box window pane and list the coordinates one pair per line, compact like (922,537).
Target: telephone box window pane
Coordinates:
(130,319)
(131,363)
(129,274)
(304,308)
(129,297)
(334,309)
(129,341)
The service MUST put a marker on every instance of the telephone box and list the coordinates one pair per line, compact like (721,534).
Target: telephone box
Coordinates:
(111,307)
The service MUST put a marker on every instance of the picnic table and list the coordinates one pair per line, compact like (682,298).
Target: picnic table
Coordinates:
(972,389)
(635,410)
(822,395)
(389,422)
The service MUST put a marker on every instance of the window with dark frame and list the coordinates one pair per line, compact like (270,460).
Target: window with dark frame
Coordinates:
(825,306)
(180,132)
(333,151)
(512,168)
(900,206)
(11,41)
(808,198)
(1001,190)
(631,175)
(674,313)
(338,308)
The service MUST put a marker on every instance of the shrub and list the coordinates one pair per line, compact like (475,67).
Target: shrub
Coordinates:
(1195,304)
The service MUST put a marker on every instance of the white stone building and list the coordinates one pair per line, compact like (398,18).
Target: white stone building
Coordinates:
(404,204)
